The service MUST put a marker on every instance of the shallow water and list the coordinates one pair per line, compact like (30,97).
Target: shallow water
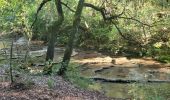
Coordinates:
(136,69)
(140,89)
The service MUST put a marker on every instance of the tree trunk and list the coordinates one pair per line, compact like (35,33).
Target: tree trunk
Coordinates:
(69,47)
(53,30)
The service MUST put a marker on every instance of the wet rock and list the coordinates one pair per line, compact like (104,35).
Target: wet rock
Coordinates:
(21,41)
(37,53)
(102,69)
(60,49)
(153,71)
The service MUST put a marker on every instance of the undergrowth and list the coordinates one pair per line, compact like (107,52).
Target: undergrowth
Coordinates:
(74,76)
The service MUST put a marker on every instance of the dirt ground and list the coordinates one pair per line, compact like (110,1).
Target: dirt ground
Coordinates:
(63,90)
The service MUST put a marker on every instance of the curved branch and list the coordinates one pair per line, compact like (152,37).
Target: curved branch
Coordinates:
(38,10)
(102,11)
(66,5)
(120,32)
(124,37)
(116,16)
(131,18)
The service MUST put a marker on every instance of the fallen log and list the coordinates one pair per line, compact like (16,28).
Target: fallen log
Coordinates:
(125,81)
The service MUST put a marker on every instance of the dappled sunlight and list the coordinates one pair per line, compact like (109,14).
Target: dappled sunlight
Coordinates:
(147,61)
(94,60)
(165,70)
(35,70)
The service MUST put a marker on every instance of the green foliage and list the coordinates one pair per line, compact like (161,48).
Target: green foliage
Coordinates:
(50,83)
(48,67)
(19,15)
(16,16)
(55,68)
(164,58)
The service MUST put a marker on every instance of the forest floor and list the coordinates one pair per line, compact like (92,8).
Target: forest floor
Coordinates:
(62,90)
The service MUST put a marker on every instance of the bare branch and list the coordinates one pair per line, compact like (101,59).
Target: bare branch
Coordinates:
(38,10)
(66,5)
(102,11)
(131,18)
(116,16)
(123,36)
(120,32)
(104,1)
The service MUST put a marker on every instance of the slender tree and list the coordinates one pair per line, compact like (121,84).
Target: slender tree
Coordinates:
(69,47)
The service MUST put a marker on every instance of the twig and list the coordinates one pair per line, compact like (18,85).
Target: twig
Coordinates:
(66,5)
(38,10)
(131,18)
(102,11)
(10,63)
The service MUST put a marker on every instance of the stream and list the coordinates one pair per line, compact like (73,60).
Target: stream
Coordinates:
(97,65)
(109,69)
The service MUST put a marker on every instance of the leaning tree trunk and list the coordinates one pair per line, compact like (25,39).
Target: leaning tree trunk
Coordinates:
(69,48)
(54,29)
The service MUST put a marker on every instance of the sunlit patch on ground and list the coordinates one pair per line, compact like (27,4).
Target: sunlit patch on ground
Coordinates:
(95,60)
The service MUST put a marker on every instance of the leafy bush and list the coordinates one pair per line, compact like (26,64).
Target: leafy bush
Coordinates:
(51,83)
(164,58)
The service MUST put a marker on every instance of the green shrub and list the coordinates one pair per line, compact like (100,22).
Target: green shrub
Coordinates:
(164,58)
(51,83)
